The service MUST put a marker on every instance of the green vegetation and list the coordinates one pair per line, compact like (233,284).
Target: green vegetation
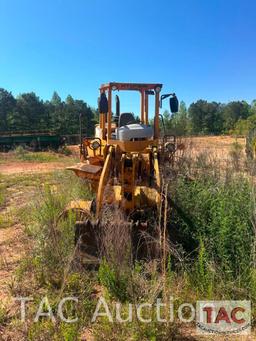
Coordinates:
(243,126)
(28,112)
(212,118)
(2,187)
(3,315)
(212,255)
(49,269)
(219,212)
(7,219)
(22,154)
(114,281)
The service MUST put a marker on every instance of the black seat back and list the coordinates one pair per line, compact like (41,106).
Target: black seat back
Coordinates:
(125,118)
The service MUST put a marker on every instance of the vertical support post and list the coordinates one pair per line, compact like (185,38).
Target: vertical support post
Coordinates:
(146,109)
(82,154)
(142,106)
(80,128)
(156,134)
(103,125)
(109,113)
(102,122)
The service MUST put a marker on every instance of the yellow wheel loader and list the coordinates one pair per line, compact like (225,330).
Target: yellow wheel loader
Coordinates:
(123,161)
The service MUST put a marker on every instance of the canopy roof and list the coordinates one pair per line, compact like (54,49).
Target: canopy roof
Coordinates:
(130,86)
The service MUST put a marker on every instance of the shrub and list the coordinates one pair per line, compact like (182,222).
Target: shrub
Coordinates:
(114,281)
(3,315)
(20,152)
(217,217)
(236,153)
(65,151)
(2,188)
(203,275)
(48,331)
(54,237)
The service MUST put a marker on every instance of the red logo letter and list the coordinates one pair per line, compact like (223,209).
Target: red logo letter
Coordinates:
(208,311)
(233,315)
(222,316)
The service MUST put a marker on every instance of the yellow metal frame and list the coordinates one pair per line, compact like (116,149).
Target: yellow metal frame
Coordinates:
(103,179)
(142,88)
(131,155)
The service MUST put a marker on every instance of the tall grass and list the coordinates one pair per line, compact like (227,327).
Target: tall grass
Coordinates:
(25,155)
(210,254)
(216,228)
(51,268)
(54,237)
(2,189)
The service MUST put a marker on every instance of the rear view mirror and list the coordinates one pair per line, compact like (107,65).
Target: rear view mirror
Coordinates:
(103,103)
(174,104)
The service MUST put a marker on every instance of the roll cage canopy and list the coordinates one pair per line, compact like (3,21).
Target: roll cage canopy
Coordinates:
(130,86)
(145,89)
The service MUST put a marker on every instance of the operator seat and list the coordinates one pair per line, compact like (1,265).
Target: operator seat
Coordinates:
(126,118)
(130,130)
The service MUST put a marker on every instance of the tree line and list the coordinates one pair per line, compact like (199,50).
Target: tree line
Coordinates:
(27,112)
(204,118)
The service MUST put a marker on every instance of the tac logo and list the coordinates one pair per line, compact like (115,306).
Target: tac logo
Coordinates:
(223,317)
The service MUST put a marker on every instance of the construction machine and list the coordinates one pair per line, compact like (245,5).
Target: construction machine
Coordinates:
(122,161)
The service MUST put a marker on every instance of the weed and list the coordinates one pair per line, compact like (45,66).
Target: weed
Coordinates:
(203,276)
(65,151)
(114,281)
(211,225)
(2,190)
(2,197)
(3,315)
(20,152)
(7,219)
(24,155)
(217,217)
(45,330)
(115,238)
(235,154)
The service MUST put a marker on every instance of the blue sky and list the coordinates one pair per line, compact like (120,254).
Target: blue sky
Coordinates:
(197,48)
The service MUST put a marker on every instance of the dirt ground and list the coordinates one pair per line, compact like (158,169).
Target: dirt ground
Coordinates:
(28,167)
(217,146)
(19,181)
(13,244)
(41,162)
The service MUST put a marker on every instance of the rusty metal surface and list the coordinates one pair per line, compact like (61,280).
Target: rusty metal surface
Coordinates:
(92,169)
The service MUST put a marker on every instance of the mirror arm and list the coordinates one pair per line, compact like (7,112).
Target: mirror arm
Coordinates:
(164,97)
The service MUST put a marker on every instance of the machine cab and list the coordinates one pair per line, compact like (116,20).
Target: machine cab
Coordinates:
(125,127)
(130,133)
